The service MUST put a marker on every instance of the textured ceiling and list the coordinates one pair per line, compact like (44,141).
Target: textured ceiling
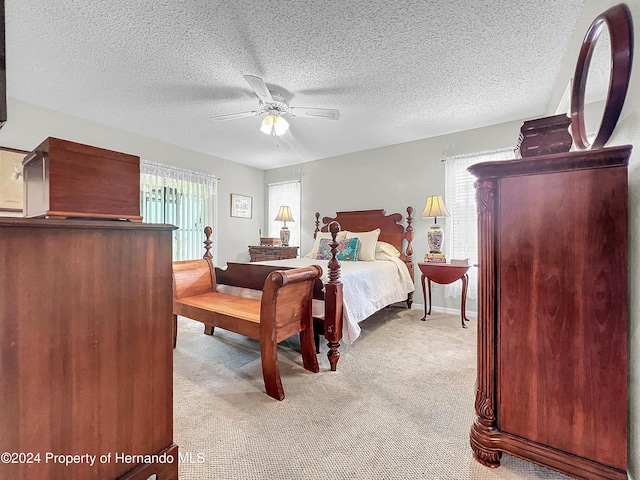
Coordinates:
(398,70)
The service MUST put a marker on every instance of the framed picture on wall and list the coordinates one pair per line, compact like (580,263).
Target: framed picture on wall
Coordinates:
(11,196)
(241,206)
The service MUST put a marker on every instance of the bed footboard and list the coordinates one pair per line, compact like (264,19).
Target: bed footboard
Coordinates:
(253,275)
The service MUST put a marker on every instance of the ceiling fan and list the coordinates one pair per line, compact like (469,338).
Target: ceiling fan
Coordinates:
(276,106)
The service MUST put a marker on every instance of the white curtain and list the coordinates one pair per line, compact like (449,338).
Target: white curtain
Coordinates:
(461,231)
(280,194)
(182,198)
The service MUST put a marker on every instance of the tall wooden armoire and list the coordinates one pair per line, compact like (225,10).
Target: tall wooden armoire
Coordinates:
(86,368)
(553,312)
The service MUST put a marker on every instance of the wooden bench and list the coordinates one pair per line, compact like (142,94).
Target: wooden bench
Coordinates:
(284,310)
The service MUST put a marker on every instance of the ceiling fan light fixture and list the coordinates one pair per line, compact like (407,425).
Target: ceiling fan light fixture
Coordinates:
(274,125)
(275,106)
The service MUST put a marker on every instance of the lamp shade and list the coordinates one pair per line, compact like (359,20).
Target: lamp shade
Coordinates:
(274,125)
(284,214)
(435,207)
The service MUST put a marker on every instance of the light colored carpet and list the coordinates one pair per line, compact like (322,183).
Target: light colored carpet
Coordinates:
(400,406)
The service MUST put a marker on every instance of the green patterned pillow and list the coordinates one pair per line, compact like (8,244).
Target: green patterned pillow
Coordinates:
(348,250)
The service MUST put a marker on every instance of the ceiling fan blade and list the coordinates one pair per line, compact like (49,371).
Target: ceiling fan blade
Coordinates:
(329,113)
(260,88)
(233,116)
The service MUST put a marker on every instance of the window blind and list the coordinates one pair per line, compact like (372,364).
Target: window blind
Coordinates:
(461,229)
(182,198)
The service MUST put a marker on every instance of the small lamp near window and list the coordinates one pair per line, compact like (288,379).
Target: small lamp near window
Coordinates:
(284,215)
(435,208)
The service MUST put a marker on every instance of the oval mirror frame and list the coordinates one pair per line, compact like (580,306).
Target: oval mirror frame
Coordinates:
(618,22)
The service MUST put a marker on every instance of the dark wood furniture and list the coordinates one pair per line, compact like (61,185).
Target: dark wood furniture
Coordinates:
(544,136)
(66,179)
(3,69)
(552,325)
(444,274)
(284,310)
(391,231)
(617,20)
(263,253)
(85,347)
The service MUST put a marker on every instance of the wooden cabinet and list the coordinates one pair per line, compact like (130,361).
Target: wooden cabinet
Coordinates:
(552,326)
(86,348)
(264,253)
(67,179)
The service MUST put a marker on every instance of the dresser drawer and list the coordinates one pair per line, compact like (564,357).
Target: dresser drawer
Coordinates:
(265,253)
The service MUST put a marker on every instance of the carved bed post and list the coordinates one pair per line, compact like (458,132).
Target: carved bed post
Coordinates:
(207,242)
(409,234)
(208,329)
(333,302)
(315,232)
(409,250)
(484,425)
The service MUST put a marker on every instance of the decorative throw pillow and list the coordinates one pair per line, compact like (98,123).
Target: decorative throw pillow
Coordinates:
(367,244)
(348,250)
(316,244)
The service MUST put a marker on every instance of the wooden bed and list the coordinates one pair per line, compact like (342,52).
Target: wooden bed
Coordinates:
(252,275)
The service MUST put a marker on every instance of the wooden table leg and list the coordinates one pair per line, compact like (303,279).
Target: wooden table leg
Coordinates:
(463,313)
(424,297)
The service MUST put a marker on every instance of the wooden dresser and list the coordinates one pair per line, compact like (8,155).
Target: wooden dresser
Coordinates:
(85,349)
(553,312)
(271,252)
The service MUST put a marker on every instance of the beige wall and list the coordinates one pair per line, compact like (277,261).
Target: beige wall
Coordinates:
(29,125)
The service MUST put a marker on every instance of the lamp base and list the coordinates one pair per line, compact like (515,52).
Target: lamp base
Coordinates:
(285,234)
(435,236)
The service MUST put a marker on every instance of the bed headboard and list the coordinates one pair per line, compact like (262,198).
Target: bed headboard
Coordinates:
(391,231)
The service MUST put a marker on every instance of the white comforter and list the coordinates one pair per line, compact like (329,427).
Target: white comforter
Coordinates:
(367,287)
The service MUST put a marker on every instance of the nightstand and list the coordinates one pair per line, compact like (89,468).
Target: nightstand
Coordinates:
(271,252)
(444,274)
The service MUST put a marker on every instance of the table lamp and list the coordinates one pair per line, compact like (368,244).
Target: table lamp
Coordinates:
(284,215)
(435,208)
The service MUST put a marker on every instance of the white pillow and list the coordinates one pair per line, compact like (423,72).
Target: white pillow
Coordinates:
(387,249)
(319,236)
(382,256)
(367,244)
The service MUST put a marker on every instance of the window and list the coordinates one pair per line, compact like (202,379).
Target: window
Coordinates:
(279,194)
(182,198)
(461,231)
